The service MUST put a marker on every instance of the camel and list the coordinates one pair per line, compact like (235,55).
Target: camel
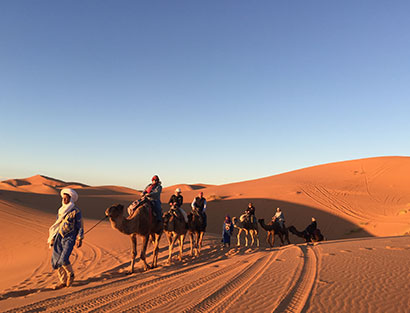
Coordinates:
(247,228)
(316,236)
(196,230)
(175,229)
(141,223)
(273,228)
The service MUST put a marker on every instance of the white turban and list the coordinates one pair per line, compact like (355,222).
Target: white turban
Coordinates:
(71,192)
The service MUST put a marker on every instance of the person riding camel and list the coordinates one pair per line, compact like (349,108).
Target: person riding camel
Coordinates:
(250,213)
(310,229)
(199,205)
(279,217)
(152,193)
(176,201)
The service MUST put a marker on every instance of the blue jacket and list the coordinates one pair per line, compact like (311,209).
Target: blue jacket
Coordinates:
(155,194)
(72,224)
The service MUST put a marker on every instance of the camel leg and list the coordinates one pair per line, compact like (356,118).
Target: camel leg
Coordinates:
(169,238)
(287,237)
(282,243)
(239,237)
(271,238)
(191,239)
(143,251)
(268,238)
(133,251)
(155,250)
(246,237)
(196,240)
(171,246)
(200,238)
(181,246)
(252,237)
(257,239)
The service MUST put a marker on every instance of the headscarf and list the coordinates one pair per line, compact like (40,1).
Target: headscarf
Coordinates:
(227,219)
(62,211)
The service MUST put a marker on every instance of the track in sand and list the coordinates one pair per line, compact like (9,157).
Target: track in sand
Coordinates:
(217,281)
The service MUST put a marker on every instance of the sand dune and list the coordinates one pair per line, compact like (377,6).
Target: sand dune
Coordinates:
(358,269)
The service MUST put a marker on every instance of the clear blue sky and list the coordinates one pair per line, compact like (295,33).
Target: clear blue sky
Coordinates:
(112,92)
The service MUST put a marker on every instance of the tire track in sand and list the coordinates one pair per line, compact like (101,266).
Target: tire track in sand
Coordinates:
(221,299)
(191,285)
(297,297)
(59,303)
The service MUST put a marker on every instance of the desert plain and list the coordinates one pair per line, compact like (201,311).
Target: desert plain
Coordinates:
(362,207)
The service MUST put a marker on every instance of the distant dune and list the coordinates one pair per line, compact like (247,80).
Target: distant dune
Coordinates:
(353,271)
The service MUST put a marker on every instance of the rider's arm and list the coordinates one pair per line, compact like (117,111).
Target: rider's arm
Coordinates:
(155,192)
(193,204)
(204,206)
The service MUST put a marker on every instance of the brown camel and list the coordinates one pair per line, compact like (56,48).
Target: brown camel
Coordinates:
(315,236)
(196,230)
(273,228)
(140,223)
(175,229)
(248,229)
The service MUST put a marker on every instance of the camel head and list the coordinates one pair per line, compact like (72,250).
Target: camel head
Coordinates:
(114,211)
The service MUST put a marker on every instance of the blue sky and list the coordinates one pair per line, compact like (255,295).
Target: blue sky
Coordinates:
(112,92)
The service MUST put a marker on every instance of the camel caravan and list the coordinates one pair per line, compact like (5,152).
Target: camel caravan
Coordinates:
(144,218)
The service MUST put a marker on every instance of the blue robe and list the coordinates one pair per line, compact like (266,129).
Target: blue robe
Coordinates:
(71,227)
(227,230)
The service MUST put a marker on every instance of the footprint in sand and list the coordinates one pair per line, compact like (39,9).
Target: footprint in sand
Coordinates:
(279,260)
(346,251)
(366,249)
(329,254)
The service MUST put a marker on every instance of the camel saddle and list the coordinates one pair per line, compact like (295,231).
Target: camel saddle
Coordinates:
(247,219)
(199,214)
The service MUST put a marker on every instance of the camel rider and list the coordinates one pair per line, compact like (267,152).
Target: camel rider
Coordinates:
(66,232)
(176,201)
(279,217)
(311,227)
(250,212)
(153,193)
(199,204)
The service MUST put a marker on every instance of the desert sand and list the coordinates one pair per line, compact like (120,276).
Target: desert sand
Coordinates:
(362,207)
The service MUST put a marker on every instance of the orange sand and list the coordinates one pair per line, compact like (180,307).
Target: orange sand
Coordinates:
(362,207)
